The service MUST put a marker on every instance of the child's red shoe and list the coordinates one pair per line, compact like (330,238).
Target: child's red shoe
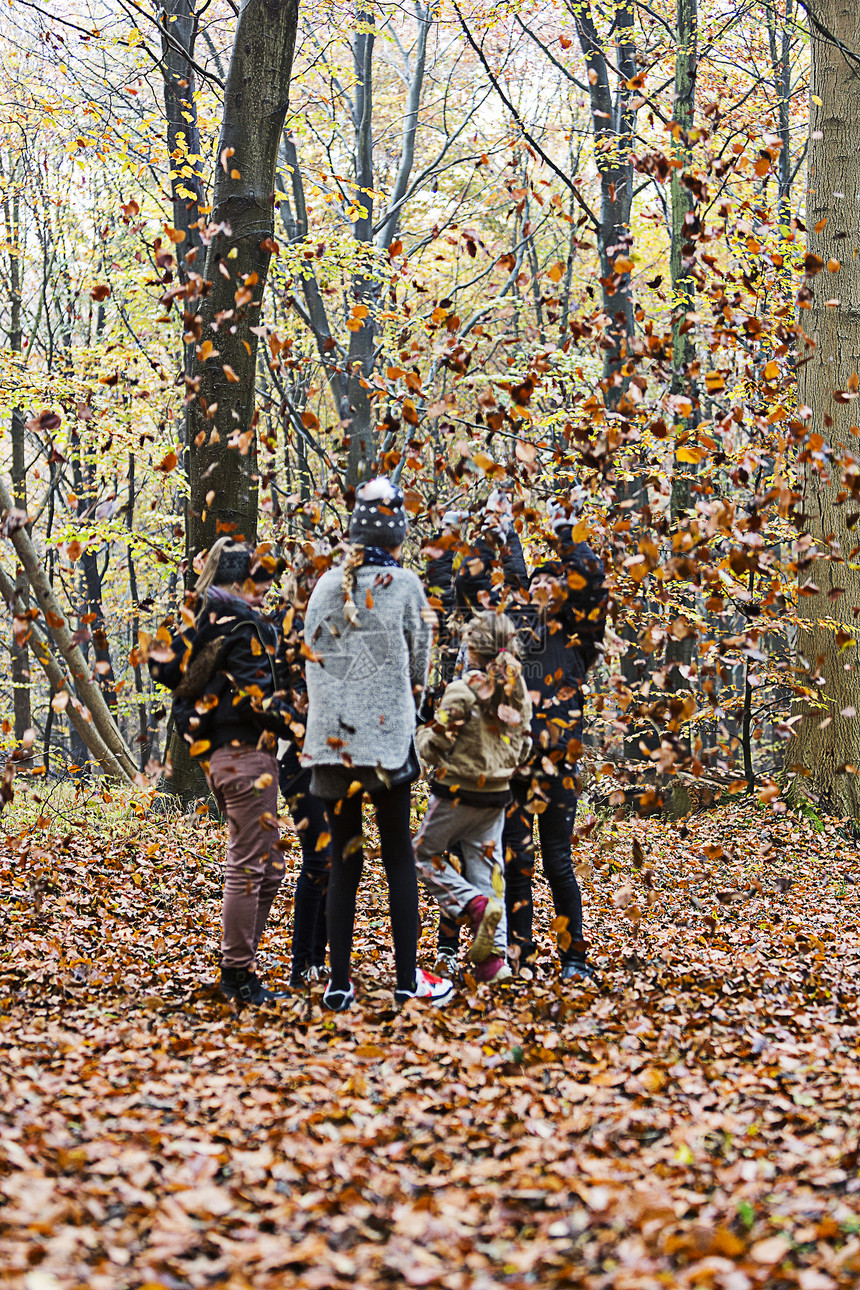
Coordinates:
(483,913)
(493,969)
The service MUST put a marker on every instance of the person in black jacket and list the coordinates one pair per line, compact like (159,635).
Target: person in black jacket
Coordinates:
(560,614)
(440,553)
(310,934)
(221,666)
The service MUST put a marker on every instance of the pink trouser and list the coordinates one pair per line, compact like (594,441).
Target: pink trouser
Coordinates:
(244,782)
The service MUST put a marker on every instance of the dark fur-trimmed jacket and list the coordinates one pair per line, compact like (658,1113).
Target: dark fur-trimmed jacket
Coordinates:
(557,644)
(224,676)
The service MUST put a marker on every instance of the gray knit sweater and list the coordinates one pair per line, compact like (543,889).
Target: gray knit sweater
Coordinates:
(363,690)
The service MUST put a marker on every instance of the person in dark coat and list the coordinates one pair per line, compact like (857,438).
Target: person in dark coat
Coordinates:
(560,614)
(441,552)
(221,667)
(308,812)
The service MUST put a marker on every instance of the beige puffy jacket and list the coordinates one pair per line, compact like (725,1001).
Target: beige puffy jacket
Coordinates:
(466,747)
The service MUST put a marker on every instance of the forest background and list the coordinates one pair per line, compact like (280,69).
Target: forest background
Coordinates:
(603,248)
(534,247)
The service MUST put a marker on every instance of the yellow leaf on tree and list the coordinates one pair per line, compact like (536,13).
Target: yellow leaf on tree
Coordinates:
(692,455)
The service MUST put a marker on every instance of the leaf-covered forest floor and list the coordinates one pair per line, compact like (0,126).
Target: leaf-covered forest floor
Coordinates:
(692,1122)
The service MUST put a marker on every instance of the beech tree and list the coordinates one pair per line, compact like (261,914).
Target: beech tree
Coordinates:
(223,481)
(825,755)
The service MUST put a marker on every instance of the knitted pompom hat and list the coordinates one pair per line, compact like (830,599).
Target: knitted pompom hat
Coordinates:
(379,518)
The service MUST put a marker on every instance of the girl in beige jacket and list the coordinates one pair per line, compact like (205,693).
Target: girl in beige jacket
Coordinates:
(479,736)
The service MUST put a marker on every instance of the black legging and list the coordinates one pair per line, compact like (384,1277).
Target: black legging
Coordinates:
(347,861)
(308,812)
(555,828)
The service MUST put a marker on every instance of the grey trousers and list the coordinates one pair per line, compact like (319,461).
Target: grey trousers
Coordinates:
(478,831)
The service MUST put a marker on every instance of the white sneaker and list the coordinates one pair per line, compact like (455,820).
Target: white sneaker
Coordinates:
(435,989)
(338,1000)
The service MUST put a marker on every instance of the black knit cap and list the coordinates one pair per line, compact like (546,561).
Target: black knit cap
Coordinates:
(552,568)
(239,563)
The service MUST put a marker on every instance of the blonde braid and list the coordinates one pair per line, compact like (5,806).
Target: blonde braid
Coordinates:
(352,562)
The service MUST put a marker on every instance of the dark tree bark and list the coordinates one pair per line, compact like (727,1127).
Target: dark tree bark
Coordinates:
(179,31)
(222,448)
(221,424)
(779,39)
(20,658)
(21,678)
(681,254)
(364,289)
(613,124)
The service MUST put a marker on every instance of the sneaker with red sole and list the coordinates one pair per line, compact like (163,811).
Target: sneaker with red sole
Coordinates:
(433,989)
(483,913)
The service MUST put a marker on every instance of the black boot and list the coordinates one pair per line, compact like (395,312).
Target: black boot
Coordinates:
(246,987)
(579,970)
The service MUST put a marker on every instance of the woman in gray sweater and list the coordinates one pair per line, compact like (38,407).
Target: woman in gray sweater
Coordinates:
(369,632)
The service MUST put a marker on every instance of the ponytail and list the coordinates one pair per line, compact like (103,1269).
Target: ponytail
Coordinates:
(208,576)
(209,567)
(492,637)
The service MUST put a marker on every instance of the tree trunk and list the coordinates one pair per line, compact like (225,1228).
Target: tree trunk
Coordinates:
(222,448)
(780,62)
(613,122)
(20,658)
(682,251)
(179,30)
(365,290)
(88,690)
(825,752)
(60,682)
(178,34)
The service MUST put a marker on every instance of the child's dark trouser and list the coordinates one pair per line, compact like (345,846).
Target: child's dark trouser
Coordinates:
(347,862)
(555,827)
(308,812)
